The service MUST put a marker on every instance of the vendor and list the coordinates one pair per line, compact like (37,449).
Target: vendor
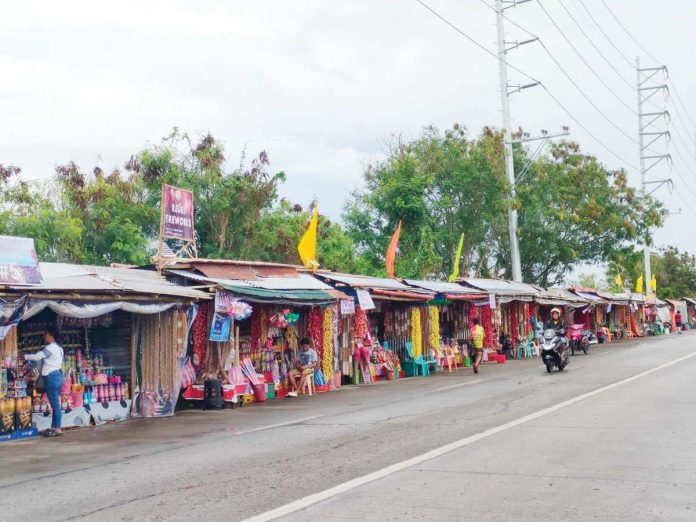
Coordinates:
(306,361)
(51,371)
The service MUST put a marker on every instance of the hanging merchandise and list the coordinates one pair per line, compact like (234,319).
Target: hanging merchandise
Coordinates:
(416,334)
(514,328)
(434,328)
(487,325)
(264,326)
(328,344)
(315,330)
(200,336)
(159,366)
(360,324)
(283,318)
(181,333)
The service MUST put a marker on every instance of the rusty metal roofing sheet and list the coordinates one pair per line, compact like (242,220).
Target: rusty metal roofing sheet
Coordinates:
(442,287)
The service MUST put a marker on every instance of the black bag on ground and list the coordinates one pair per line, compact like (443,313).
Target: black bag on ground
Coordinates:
(212,394)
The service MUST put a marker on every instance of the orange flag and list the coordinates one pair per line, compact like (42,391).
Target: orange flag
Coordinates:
(391,250)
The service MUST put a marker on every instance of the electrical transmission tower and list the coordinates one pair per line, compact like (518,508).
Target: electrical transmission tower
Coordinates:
(648,135)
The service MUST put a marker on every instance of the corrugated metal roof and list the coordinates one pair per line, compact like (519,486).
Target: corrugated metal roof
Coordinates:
(442,287)
(566,295)
(360,281)
(102,279)
(501,287)
(593,298)
(301,282)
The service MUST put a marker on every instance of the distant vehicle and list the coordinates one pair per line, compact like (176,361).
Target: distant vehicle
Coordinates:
(579,339)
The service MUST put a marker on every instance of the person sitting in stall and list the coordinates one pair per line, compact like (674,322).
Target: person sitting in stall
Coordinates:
(306,361)
(505,345)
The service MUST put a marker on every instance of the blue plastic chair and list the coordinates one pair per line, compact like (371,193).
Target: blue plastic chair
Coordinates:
(412,365)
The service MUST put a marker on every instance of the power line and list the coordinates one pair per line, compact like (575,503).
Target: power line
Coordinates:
(618,21)
(572,81)
(671,82)
(599,51)
(601,30)
(582,58)
(526,75)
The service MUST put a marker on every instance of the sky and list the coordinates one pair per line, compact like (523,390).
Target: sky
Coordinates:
(324,86)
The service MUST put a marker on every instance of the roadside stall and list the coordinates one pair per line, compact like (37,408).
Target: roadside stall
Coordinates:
(690,311)
(254,354)
(637,314)
(454,304)
(122,332)
(677,306)
(388,315)
(508,310)
(593,315)
(617,314)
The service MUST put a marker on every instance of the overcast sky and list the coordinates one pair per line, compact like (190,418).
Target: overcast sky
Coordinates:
(322,85)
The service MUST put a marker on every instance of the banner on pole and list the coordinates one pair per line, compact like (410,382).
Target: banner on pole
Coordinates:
(177,213)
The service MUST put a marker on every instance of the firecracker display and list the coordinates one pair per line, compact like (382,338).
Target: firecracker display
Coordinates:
(328,343)
(416,333)
(434,328)
(487,324)
(200,336)
(514,329)
(360,324)
(315,330)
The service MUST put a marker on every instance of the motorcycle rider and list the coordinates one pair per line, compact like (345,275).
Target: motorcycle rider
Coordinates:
(556,323)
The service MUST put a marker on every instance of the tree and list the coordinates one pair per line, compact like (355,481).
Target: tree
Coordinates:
(439,186)
(571,209)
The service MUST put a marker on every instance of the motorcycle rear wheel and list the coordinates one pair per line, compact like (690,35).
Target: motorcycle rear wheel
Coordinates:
(549,367)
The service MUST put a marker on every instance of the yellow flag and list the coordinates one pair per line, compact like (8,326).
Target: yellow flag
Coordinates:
(455,268)
(653,284)
(618,280)
(307,247)
(639,284)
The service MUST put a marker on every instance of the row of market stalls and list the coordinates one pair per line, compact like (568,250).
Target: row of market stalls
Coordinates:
(134,338)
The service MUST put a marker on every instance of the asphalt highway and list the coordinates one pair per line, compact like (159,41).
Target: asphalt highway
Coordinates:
(611,438)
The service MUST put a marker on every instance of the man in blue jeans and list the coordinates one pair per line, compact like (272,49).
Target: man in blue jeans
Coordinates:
(51,369)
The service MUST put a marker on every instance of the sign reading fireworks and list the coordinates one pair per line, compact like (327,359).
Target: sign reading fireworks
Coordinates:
(177,213)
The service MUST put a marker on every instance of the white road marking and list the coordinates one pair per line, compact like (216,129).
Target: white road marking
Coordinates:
(314,498)
(453,386)
(279,425)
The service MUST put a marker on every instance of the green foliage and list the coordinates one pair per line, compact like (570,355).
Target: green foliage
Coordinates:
(571,209)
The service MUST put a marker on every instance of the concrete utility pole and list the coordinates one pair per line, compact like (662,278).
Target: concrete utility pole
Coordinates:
(646,121)
(507,136)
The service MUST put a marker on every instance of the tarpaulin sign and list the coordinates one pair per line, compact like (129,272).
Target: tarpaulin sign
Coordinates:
(177,213)
(220,327)
(347,306)
(19,264)
(365,300)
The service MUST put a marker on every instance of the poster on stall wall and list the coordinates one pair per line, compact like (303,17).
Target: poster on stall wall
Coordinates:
(491,301)
(177,213)
(347,306)
(19,264)
(220,327)
(365,300)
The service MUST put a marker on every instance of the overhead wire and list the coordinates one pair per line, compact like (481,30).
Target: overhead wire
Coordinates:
(608,38)
(594,46)
(582,58)
(533,79)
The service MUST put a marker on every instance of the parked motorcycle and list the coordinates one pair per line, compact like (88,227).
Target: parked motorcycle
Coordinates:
(579,338)
(554,352)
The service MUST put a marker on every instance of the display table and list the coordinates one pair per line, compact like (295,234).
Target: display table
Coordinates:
(99,412)
(230,392)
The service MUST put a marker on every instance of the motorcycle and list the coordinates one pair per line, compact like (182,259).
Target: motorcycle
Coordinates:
(554,352)
(579,339)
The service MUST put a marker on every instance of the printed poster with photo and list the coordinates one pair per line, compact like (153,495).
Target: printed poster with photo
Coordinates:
(222,322)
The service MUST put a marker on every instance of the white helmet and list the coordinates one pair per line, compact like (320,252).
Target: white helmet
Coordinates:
(557,310)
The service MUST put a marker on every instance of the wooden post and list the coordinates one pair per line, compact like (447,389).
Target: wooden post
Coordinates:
(134,351)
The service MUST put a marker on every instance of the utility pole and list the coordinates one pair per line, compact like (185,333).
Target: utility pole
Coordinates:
(646,122)
(507,138)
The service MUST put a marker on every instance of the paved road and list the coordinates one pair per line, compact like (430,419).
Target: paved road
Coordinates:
(512,443)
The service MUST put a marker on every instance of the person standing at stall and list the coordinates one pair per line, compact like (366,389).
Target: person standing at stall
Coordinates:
(477,335)
(51,370)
